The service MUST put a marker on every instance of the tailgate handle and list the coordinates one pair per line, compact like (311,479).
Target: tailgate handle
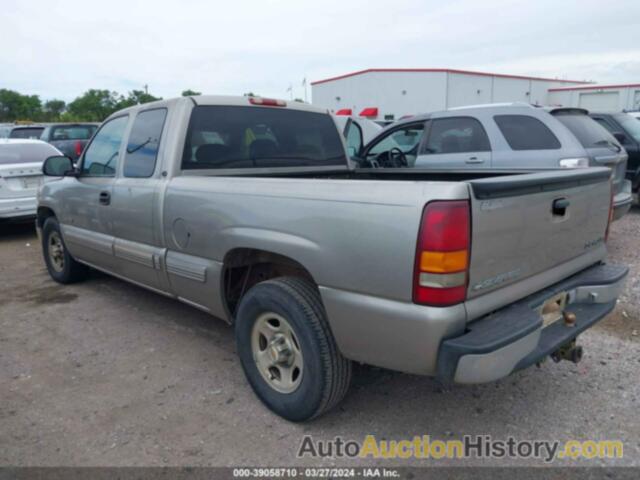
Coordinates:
(560,206)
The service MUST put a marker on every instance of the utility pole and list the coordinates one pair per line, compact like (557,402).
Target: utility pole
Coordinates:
(146,89)
(304,85)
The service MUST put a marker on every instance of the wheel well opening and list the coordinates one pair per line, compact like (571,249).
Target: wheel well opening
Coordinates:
(245,267)
(43,214)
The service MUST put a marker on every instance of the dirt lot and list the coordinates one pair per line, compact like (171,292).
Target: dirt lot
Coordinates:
(105,373)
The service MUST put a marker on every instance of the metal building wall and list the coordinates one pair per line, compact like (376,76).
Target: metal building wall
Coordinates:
(408,93)
(601,98)
(400,93)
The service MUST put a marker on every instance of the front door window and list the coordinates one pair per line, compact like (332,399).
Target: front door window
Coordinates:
(101,157)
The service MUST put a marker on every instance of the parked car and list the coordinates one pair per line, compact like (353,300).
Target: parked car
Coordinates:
(21,175)
(501,136)
(357,131)
(69,138)
(626,129)
(602,149)
(635,115)
(21,131)
(250,209)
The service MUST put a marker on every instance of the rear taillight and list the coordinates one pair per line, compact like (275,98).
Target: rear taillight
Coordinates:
(267,102)
(610,219)
(442,254)
(78,149)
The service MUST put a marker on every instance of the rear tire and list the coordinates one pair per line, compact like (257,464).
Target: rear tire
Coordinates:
(281,327)
(62,267)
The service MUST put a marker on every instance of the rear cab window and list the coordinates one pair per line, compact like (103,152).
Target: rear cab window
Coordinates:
(524,132)
(26,132)
(238,137)
(72,132)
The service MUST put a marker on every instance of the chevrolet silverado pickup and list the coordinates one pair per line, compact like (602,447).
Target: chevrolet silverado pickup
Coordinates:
(250,209)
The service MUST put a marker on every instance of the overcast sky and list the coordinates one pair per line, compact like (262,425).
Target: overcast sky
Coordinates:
(59,49)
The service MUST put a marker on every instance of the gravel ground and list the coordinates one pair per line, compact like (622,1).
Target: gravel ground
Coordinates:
(105,373)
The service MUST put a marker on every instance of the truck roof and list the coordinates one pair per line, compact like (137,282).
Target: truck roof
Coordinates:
(232,100)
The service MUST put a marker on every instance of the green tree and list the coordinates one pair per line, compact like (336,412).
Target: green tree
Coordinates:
(93,106)
(188,93)
(15,106)
(136,97)
(52,110)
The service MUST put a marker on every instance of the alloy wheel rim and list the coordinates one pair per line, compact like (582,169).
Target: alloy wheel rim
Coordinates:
(56,252)
(277,352)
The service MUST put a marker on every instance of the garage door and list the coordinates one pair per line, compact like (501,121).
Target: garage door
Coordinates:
(599,101)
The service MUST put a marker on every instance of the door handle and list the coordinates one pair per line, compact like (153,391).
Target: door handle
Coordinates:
(105,198)
(474,160)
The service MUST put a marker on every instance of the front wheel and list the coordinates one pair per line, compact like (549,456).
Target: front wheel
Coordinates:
(287,350)
(62,267)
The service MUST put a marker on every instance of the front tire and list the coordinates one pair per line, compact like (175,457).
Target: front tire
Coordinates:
(62,267)
(287,350)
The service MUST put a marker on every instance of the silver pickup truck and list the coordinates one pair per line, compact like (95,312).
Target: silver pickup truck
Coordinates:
(250,209)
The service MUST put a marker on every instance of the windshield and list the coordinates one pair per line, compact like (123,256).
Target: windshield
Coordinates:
(588,132)
(224,137)
(72,132)
(11,153)
(630,124)
(26,132)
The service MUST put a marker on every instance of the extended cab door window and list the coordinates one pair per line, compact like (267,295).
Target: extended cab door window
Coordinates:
(144,141)
(399,148)
(455,142)
(101,156)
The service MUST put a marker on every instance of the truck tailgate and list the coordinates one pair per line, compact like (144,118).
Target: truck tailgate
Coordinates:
(523,225)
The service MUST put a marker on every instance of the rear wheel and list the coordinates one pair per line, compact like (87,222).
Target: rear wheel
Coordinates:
(62,267)
(287,350)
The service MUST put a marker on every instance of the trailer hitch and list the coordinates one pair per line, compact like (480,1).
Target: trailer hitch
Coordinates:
(569,351)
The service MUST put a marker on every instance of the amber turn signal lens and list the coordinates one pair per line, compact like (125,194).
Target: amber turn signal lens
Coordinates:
(443,262)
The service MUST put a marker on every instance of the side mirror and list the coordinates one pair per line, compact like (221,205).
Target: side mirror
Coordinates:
(621,137)
(58,166)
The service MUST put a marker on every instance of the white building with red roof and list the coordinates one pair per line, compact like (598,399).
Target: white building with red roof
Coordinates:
(391,93)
